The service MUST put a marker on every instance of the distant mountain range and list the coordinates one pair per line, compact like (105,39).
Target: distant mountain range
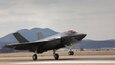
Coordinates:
(92,44)
(32,35)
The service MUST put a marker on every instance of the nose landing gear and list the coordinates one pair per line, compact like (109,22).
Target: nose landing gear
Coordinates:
(70,52)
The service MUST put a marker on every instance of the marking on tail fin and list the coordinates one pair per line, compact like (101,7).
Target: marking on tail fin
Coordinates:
(20,38)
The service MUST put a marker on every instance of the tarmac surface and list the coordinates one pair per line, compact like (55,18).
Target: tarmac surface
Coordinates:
(65,62)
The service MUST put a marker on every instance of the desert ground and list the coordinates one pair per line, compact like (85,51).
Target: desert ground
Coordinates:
(25,58)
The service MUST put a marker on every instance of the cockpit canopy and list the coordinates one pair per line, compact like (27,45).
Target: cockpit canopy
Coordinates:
(71,32)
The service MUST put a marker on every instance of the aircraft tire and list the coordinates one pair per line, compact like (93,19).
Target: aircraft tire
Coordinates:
(34,57)
(56,56)
(71,53)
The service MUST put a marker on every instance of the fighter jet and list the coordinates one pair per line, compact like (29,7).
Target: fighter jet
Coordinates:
(53,42)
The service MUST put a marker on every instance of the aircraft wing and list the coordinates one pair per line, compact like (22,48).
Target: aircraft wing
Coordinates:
(31,45)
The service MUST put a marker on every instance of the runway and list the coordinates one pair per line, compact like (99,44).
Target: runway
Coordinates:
(25,58)
(65,62)
(48,60)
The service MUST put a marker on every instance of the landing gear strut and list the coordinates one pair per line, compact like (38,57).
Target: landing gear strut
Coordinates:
(56,56)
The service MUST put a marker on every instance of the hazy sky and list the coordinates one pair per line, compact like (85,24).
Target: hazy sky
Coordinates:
(94,17)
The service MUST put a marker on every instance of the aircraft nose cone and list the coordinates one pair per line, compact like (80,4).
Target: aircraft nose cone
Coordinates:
(80,36)
(84,35)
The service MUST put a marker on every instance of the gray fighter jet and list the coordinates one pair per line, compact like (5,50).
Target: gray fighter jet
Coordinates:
(54,43)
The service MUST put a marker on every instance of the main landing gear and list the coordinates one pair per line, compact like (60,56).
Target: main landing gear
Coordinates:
(34,57)
(56,56)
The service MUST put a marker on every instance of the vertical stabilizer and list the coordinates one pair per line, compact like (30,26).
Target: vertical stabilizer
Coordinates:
(20,38)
